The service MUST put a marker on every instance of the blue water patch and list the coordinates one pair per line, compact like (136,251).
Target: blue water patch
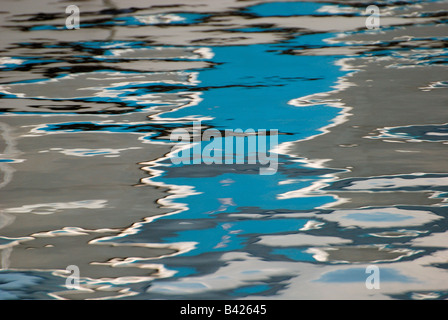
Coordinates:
(183,271)
(287,9)
(251,290)
(244,85)
(7,160)
(16,285)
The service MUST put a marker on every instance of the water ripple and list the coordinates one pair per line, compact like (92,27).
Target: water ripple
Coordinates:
(88,177)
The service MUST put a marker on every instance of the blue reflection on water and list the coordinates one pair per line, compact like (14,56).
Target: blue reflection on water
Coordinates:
(287,9)
(249,87)
(244,84)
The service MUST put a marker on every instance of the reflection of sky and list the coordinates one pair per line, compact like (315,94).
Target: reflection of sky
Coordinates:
(252,86)
(16,285)
(12,282)
(249,190)
(262,105)
(249,88)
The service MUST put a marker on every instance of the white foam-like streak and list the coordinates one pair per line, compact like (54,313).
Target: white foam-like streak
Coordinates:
(397,183)
(54,207)
(387,217)
(102,83)
(71,231)
(190,53)
(321,99)
(9,60)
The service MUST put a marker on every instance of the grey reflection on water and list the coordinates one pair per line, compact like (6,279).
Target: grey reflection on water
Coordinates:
(72,196)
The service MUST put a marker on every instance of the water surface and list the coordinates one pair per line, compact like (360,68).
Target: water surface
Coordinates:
(87,171)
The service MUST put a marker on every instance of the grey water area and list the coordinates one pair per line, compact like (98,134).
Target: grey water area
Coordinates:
(84,146)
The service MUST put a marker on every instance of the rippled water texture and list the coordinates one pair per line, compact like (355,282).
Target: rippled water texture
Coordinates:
(86,171)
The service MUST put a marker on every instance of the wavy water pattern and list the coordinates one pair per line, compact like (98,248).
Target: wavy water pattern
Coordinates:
(91,176)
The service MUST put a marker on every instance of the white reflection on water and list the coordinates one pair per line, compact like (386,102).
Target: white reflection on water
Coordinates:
(70,231)
(55,207)
(396,183)
(381,217)
(79,152)
(435,240)
(360,254)
(161,53)
(95,84)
